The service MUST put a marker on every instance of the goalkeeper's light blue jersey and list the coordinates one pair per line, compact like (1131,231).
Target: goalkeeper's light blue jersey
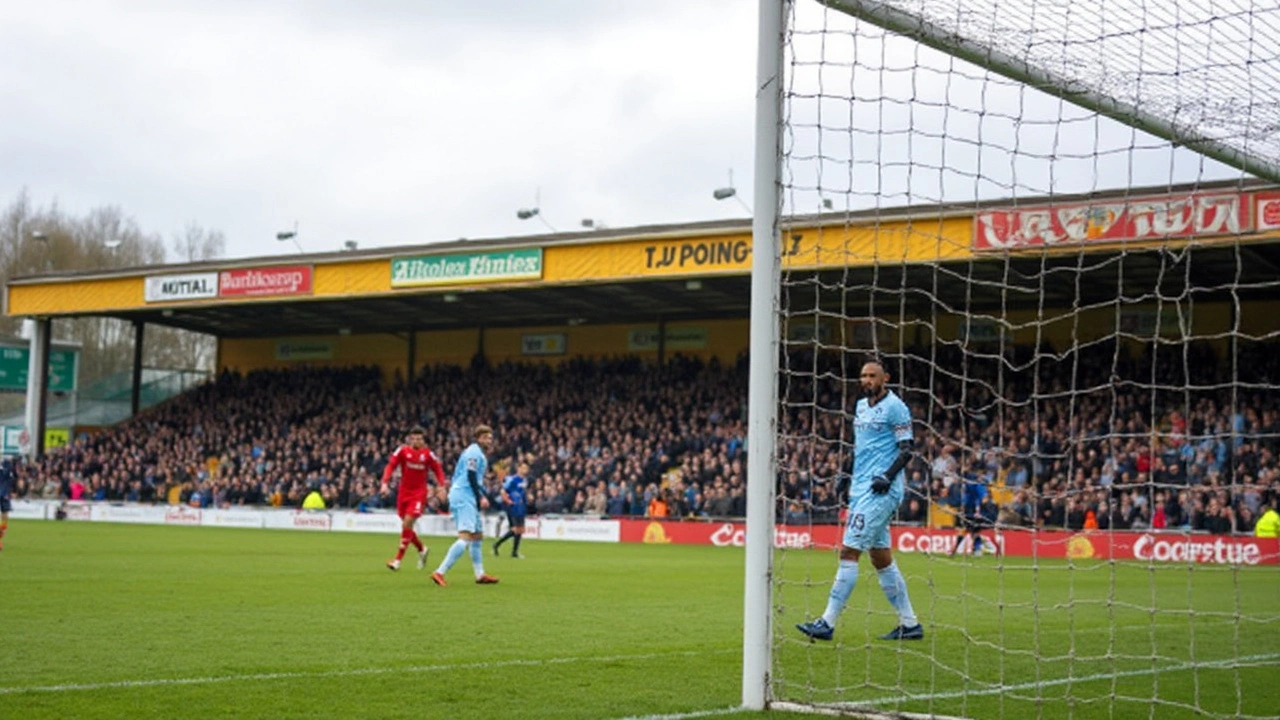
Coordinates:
(471,459)
(876,434)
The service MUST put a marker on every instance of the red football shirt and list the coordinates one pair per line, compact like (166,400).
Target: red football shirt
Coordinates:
(413,465)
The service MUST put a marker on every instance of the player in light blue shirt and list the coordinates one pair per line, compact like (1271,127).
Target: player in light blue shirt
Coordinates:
(883,443)
(466,500)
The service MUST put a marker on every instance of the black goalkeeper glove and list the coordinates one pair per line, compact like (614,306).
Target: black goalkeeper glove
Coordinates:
(880,484)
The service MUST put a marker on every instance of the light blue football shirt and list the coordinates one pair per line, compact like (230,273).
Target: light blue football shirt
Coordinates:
(876,434)
(471,459)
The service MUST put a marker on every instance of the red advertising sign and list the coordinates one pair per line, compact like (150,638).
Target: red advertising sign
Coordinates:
(181,516)
(1202,214)
(1134,546)
(1268,214)
(258,282)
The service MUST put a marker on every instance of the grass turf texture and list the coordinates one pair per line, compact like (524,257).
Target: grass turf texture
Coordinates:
(139,621)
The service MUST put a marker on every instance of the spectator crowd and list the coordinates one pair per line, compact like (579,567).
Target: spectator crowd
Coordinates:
(1173,438)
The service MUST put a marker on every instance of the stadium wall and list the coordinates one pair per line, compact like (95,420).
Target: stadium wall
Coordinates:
(722,339)
(727,339)
(1145,547)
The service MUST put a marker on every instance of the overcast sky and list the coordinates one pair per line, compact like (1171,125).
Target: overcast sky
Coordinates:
(393,122)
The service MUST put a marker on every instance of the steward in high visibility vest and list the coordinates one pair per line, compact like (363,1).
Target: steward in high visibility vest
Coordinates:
(313,501)
(1268,526)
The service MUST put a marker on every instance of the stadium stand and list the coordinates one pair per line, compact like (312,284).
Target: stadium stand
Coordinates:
(1150,444)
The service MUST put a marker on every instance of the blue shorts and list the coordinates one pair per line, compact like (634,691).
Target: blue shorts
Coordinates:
(868,523)
(466,517)
(515,519)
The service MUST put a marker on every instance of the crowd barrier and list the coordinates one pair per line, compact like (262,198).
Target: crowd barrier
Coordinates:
(1165,546)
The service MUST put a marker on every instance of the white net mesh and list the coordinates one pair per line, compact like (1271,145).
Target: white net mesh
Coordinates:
(1084,320)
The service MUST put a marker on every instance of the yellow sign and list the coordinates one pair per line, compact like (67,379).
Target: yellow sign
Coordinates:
(56,437)
(649,258)
(653,533)
(891,242)
(1079,548)
(802,248)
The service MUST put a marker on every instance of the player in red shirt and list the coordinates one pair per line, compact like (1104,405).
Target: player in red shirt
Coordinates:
(414,459)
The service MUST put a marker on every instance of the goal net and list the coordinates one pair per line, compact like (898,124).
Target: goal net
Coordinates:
(1056,225)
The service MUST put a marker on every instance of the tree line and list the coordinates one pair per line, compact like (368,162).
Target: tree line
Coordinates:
(36,240)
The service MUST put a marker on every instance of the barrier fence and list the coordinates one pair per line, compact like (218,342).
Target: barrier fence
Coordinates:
(1163,546)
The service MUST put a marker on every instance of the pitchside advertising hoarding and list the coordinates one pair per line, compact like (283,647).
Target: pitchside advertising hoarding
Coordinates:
(1148,547)
(274,281)
(1142,547)
(1198,215)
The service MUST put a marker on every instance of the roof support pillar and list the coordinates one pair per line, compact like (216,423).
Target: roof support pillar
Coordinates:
(37,385)
(135,392)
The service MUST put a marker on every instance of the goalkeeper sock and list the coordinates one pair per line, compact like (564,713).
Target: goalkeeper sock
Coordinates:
(477,556)
(455,551)
(895,589)
(841,589)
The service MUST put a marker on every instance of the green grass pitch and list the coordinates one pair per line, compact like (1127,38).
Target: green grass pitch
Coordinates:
(108,621)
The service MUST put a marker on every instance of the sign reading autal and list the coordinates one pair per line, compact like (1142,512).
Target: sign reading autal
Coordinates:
(1204,214)
(176,288)
(525,264)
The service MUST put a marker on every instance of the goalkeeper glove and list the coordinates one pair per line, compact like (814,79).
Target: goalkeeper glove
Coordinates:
(880,484)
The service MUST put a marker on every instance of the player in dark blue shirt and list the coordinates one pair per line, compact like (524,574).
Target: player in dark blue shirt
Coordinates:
(514,494)
(7,478)
(973,492)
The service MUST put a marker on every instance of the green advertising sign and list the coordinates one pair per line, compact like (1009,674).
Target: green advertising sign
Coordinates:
(16,360)
(523,264)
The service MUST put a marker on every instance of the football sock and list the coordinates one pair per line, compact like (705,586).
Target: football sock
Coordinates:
(895,589)
(977,544)
(404,543)
(458,547)
(504,539)
(841,589)
(413,538)
(515,547)
(477,556)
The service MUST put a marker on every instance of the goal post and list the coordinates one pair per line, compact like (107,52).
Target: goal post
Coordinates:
(763,372)
(1057,225)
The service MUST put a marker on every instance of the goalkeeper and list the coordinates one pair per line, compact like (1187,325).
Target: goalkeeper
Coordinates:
(882,447)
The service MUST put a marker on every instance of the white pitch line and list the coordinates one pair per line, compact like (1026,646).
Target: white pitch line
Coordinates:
(258,677)
(690,715)
(1271,658)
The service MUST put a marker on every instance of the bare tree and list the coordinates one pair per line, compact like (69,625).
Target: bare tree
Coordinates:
(184,349)
(196,243)
(36,240)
